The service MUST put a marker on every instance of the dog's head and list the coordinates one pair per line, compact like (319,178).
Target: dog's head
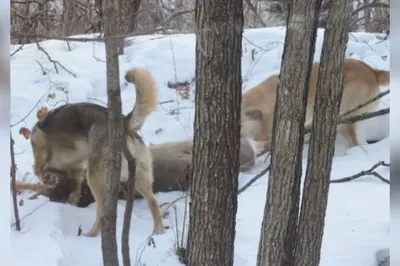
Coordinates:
(257,126)
(252,120)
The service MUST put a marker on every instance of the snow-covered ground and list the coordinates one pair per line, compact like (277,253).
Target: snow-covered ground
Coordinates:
(357,221)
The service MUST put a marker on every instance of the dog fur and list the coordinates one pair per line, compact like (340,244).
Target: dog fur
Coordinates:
(171,164)
(361,83)
(74,138)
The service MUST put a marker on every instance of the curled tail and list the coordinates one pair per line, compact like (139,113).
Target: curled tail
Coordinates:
(383,77)
(146,96)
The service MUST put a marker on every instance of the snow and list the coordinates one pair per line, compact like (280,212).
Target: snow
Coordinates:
(357,219)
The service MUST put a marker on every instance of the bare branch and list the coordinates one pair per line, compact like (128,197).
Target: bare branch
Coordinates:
(55,63)
(370,171)
(254,179)
(377,97)
(17,50)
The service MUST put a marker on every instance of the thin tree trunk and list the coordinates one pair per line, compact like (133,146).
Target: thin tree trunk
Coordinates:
(215,161)
(128,207)
(281,210)
(322,143)
(115,138)
(13,170)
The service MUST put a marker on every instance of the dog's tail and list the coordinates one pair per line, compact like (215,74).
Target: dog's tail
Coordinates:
(382,76)
(146,96)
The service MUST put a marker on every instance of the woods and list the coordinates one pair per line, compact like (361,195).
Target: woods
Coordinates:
(292,225)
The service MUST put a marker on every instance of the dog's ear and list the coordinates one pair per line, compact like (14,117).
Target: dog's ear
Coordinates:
(254,114)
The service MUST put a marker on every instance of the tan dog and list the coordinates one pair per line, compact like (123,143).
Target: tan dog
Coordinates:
(74,138)
(361,83)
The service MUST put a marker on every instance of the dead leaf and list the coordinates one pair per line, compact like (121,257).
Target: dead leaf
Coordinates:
(41,113)
(25,132)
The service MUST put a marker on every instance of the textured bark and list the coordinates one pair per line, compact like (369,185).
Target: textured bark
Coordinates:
(115,138)
(281,210)
(322,143)
(215,161)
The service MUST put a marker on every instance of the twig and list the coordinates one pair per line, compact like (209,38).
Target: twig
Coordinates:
(356,118)
(13,170)
(364,116)
(55,63)
(94,99)
(33,108)
(370,171)
(254,179)
(17,50)
(377,97)
(33,211)
(169,101)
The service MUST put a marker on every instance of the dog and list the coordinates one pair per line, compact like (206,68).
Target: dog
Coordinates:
(74,138)
(361,83)
(171,164)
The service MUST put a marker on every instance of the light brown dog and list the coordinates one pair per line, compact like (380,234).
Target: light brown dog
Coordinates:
(74,138)
(361,83)
(171,163)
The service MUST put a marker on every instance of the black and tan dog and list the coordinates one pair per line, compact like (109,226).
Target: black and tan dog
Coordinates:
(171,164)
(74,138)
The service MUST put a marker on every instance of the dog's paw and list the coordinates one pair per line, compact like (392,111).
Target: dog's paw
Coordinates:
(74,198)
(50,179)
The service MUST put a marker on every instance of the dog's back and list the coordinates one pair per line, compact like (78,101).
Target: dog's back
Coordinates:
(361,83)
(60,138)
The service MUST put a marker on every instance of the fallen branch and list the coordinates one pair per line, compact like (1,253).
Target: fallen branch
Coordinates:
(370,171)
(13,170)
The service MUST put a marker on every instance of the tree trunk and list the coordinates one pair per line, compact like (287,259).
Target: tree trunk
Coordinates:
(68,17)
(215,161)
(322,142)
(281,210)
(115,138)
(128,207)
(128,10)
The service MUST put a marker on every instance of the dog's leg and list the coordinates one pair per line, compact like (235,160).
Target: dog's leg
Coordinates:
(352,134)
(145,188)
(96,185)
(78,175)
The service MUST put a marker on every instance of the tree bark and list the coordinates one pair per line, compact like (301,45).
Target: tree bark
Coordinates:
(215,161)
(322,142)
(115,138)
(278,231)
